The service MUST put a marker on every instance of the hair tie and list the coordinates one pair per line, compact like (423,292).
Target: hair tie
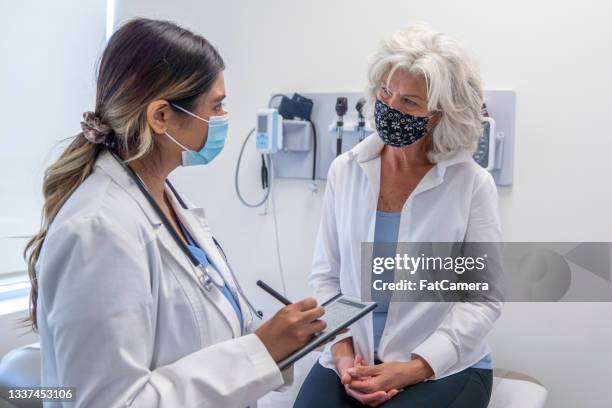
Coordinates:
(93,129)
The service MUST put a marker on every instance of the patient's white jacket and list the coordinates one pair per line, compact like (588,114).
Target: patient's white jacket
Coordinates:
(456,201)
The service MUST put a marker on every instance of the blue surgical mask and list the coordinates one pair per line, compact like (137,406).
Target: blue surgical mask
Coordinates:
(217,134)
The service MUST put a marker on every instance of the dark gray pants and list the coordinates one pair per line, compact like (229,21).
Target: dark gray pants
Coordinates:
(470,388)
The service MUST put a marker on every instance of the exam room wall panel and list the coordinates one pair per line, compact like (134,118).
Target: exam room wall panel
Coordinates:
(552,53)
(49,51)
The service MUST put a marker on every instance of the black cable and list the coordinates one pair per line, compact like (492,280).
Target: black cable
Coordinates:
(274,97)
(236,184)
(264,173)
(339,131)
(314,150)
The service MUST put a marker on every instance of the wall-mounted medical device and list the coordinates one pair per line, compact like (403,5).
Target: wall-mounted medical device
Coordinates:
(341,109)
(296,107)
(361,125)
(489,149)
(352,123)
(297,136)
(294,135)
(495,148)
(268,131)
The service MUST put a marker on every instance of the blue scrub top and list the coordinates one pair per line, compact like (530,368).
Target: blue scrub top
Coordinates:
(203,259)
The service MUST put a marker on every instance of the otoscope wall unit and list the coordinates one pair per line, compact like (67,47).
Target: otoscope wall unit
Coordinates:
(339,124)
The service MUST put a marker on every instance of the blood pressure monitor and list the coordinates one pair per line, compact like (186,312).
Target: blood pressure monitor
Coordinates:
(269,131)
(488,151)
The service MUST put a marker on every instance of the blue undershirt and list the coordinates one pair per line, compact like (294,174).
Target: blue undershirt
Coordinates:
(386,231)
(203,259)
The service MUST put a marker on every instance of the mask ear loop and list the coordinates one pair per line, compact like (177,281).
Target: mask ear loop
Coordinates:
(190,113)
(176,141)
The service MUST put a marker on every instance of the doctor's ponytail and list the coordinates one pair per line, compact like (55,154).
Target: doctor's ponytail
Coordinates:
(145,60)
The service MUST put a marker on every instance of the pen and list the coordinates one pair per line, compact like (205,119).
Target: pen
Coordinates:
(274,293)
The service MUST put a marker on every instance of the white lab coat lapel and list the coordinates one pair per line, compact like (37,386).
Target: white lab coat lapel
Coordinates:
(109,165)
(221,304)
(194,220)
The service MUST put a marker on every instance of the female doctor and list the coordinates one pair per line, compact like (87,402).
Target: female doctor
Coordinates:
(133,298)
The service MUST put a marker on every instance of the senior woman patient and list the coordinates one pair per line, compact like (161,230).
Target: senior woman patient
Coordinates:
(414,180)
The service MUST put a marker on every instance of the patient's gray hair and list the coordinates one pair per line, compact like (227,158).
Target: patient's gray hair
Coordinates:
(452,76)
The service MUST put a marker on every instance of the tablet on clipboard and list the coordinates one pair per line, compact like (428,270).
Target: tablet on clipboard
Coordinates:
(340,312)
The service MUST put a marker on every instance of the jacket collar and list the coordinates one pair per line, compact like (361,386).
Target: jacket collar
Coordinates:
(367,155)
(107,163)
(371,147)
(191,215)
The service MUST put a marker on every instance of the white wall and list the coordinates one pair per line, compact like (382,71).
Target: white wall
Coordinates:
(49,51)
(47,79)
(554,54)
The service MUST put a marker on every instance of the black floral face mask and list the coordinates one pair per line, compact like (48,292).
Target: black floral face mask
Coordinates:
(398,129)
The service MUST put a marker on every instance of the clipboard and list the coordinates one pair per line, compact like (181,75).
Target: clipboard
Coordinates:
(340,312)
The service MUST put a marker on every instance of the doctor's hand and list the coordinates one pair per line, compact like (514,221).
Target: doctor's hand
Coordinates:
(386,376)
(291,328)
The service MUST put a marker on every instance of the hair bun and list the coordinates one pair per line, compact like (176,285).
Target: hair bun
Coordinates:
(93,129)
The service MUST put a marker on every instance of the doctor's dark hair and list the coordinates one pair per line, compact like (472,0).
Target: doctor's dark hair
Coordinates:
(145,60)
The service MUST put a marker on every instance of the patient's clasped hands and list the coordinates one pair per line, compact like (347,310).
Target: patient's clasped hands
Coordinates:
(375,384)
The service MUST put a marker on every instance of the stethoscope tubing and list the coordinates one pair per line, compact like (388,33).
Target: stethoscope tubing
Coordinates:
(205,280)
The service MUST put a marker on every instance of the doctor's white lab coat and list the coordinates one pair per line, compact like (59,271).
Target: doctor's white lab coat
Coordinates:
(122,316)
(456,201)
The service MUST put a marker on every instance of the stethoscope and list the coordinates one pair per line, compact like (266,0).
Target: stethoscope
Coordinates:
(208,276)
